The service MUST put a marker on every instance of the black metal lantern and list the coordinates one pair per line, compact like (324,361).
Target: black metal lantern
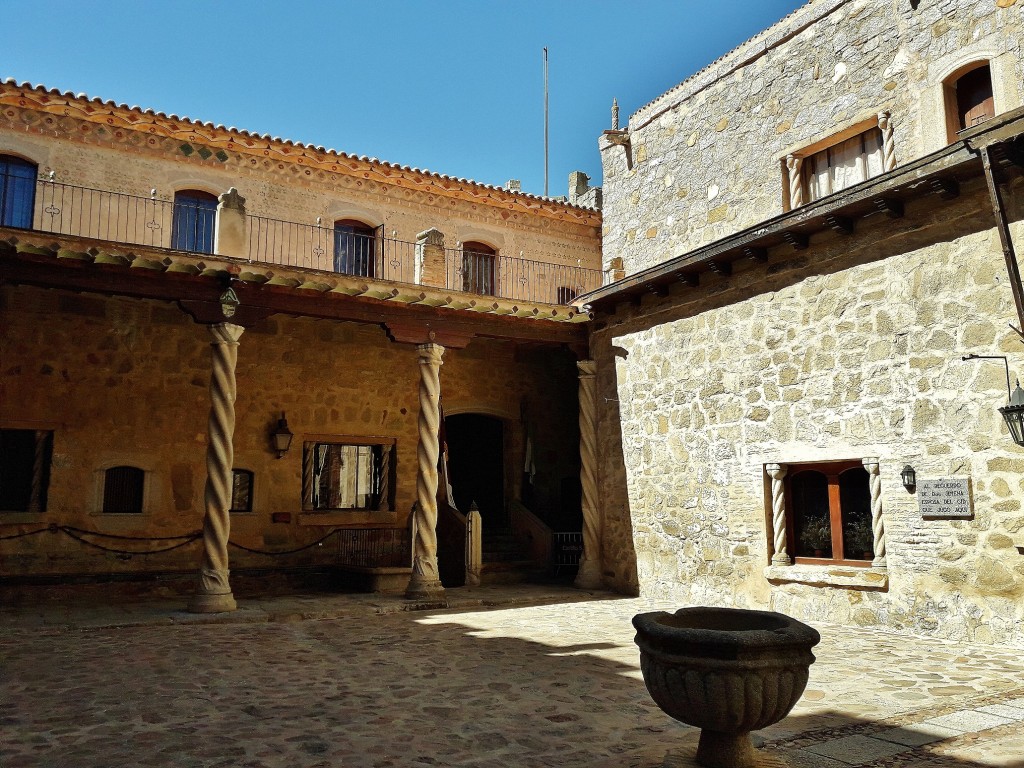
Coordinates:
(909,477)
(281,437)
(1013,415)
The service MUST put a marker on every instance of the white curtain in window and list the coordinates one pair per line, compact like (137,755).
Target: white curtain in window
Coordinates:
(844,164)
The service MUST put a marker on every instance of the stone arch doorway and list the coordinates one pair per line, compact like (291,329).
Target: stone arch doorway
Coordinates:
(476,465)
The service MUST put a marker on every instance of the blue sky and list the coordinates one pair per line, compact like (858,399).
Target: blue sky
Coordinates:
(455,86)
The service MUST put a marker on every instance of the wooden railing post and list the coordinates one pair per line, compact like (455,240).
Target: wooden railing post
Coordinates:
(474,546)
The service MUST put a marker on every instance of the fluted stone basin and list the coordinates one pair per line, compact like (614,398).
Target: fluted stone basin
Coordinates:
(727,671)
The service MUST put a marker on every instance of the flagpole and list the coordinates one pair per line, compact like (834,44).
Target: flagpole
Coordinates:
(545,121)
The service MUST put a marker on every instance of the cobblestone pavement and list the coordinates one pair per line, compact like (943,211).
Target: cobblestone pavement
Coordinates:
(358,681)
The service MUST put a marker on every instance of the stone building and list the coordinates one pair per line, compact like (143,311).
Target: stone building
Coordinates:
(809,238)
(351,306)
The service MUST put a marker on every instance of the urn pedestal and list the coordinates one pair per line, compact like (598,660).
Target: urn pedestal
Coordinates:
(726,671)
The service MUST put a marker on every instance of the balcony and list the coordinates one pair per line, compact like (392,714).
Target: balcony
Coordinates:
(226,230)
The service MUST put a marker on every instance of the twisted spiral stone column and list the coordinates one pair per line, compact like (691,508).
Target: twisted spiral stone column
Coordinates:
(589,576)
(794,165)
(888,143)
(877,524)
(425,582)
(214,595)
(781,556)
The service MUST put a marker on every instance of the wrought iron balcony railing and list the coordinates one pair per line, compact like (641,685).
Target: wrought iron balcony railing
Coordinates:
(184,225)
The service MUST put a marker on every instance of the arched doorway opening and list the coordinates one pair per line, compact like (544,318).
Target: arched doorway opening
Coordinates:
(476,465)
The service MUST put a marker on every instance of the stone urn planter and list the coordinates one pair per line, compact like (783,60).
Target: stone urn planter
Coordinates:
(725,670)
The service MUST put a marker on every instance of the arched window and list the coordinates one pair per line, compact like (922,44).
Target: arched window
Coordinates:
(17,192)
(195,215)
(478,268)
(123,489)
(355,248)
(969,98)
(974,101)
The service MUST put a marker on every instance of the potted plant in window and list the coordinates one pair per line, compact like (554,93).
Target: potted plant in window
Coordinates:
(816,535)
(858,539)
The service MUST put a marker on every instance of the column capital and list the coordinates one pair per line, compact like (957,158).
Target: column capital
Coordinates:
(430,354)
(776,471)
(226,333)
(870,464)
(586,368)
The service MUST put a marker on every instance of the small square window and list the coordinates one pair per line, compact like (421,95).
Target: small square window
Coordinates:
(241,490)
(123,490)
(828,512)
(348,475)
(25,456)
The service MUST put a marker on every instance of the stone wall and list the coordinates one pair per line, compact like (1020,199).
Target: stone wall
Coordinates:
(850,350)
(706,159)
(123,381)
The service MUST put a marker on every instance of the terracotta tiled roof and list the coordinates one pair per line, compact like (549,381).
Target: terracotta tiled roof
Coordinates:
(240,132)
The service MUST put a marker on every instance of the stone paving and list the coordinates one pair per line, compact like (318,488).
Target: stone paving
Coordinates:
(363,681)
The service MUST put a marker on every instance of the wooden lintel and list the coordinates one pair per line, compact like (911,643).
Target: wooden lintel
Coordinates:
(213,312)
(841,224)
(412,332)
(47,272)
(755,253)
(720,267)
(890,206)
(798,240)
(945,187)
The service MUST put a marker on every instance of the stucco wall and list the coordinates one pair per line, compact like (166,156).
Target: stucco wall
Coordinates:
(134,161)
(706,158)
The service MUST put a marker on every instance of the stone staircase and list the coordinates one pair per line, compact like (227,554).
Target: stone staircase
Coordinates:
(505,561)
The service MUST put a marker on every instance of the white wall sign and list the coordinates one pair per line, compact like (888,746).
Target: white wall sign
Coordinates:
(948,497)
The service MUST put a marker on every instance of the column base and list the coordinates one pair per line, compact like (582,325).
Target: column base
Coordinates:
(589,576)
(422,589)
(781,559)
(203,603)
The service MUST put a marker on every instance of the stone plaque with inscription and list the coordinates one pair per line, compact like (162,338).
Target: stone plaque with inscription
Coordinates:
(945,497)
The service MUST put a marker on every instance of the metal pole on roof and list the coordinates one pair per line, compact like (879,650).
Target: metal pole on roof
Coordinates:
(545,121)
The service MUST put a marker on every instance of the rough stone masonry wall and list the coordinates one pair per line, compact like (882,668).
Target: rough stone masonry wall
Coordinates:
(849,352)
(124,381)
(707,156)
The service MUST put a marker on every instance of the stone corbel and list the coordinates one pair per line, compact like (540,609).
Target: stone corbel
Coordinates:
(617,138)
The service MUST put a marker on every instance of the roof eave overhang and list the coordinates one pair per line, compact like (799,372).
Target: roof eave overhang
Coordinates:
(939,173)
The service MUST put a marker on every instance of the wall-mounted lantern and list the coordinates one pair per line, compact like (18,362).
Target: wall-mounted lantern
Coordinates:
(909,477)
(1013,415)
(281,438)
(1013,412)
